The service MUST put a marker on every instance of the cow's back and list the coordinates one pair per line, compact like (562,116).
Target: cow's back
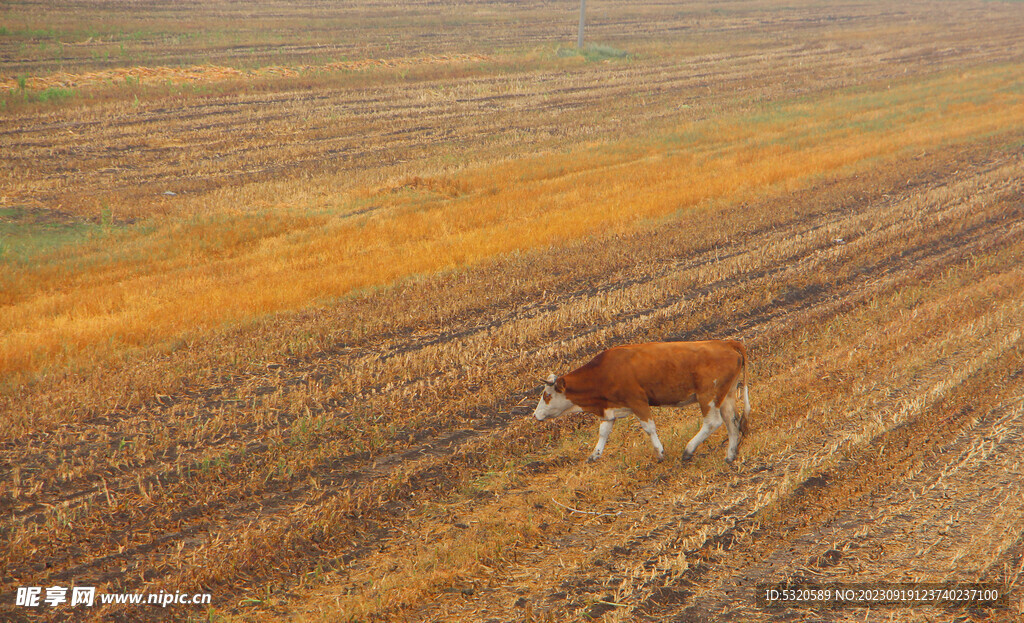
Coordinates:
(669,372)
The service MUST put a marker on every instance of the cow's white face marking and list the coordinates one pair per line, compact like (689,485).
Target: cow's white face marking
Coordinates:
(552,402)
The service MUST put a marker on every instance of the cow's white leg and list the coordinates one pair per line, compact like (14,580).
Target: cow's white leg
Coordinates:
(711,423)
(605,430)
(729,415)
(609,417)
(652,432)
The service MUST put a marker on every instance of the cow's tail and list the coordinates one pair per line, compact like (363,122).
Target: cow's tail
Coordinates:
(746,395)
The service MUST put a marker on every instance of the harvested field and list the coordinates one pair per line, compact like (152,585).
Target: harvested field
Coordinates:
(302,382)
(131,149)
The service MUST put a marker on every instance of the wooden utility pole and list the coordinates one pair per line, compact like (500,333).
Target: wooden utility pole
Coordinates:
(579,39)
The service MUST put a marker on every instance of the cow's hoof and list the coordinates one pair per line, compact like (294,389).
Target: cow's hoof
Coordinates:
(686,457)
(659,458)
(593,457)
(730,460)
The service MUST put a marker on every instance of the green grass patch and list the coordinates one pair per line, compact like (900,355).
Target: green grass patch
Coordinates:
(54,94)
(35,33)
(593,53)
(24,97)
(27,232)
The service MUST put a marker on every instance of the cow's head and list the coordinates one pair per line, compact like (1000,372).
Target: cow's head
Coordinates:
(553,401)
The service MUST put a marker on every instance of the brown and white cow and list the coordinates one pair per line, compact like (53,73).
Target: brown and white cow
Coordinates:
(634,378)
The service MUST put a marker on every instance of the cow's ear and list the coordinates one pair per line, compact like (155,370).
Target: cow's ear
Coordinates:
(560,385)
